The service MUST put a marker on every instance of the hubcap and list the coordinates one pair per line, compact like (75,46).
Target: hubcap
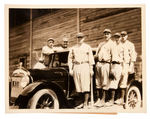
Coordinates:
(132,99)
(45,102)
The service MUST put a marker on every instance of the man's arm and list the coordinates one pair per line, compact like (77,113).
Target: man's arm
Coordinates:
(46,51)
(114,53)
(70,61)
(133,53)
(91,61)
(133,56)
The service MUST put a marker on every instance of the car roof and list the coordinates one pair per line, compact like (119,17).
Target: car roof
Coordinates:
(62,51)
(67,50)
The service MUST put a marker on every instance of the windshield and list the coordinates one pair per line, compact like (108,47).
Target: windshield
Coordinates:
(59,59)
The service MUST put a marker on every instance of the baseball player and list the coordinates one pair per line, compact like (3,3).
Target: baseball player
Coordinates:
(116,67)
(128,64)
(104,53)
(81,61)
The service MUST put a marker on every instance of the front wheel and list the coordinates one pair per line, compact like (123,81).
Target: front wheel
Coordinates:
(44,99)
(133,98)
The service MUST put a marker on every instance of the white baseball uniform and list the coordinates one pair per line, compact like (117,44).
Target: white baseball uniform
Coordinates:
(81,61)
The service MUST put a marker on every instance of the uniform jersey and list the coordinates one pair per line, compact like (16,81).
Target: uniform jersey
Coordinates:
(46,51)
(105,51)
(130,53)
(80,54)
(118,50)
(81,61)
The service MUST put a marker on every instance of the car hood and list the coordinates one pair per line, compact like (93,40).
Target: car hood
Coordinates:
(49,74)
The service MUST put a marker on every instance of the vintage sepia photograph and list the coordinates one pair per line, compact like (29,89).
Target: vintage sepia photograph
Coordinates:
(75,59)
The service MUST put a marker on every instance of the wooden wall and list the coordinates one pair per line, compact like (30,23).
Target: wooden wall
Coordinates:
(94,21)
(18,45)
(64,23)
(61,24)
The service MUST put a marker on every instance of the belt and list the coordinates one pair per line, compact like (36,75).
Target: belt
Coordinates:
(78,63)
(104,62)
(114,62)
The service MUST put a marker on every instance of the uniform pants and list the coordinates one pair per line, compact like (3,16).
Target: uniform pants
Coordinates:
(125,73)
(81,75)
(102,75)
(116,71)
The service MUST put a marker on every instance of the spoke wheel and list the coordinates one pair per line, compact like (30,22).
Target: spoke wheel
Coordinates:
(133,98)
(44,99)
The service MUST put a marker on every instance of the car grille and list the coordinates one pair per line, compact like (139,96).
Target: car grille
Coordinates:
(16,89)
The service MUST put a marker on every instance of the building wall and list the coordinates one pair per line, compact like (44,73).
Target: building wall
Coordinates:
(18,45)
(94,21)
(63,23)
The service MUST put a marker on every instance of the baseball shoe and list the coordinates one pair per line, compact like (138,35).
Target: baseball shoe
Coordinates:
(79,106)
(119,101)
(109,103)
(99,103)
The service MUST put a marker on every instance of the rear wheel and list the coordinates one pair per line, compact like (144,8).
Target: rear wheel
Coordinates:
(133,98)
(44,99)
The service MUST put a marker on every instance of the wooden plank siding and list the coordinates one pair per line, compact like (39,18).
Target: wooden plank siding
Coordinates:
(94,21)
(63,23)
(18,45)
(56,26)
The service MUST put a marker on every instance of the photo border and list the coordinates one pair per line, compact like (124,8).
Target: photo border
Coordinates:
(80,111)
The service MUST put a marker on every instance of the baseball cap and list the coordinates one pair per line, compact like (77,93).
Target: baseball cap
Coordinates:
(50,39)
(123,33)
(117,35)
(107,31)
(80,35)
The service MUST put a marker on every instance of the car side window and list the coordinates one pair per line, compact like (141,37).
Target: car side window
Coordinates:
(60,60)
(56,62)
(63,59)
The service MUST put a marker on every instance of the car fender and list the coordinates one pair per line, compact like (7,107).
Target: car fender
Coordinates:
(28,89)
(31,89)
(136,83)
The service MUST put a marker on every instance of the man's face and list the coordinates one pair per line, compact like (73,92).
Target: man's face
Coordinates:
(80,39)
(50,43)
(107,35)
(117,39)
(124,37)
(65,44)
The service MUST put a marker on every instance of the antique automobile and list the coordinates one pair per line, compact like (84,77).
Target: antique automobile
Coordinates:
(53,87)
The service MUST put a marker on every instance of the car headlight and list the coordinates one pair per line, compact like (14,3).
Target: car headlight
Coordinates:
(25,81)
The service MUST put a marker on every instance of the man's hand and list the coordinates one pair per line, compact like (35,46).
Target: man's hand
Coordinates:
(96,58)
(111,73)
(131,68)
(71,72)
(91,73)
